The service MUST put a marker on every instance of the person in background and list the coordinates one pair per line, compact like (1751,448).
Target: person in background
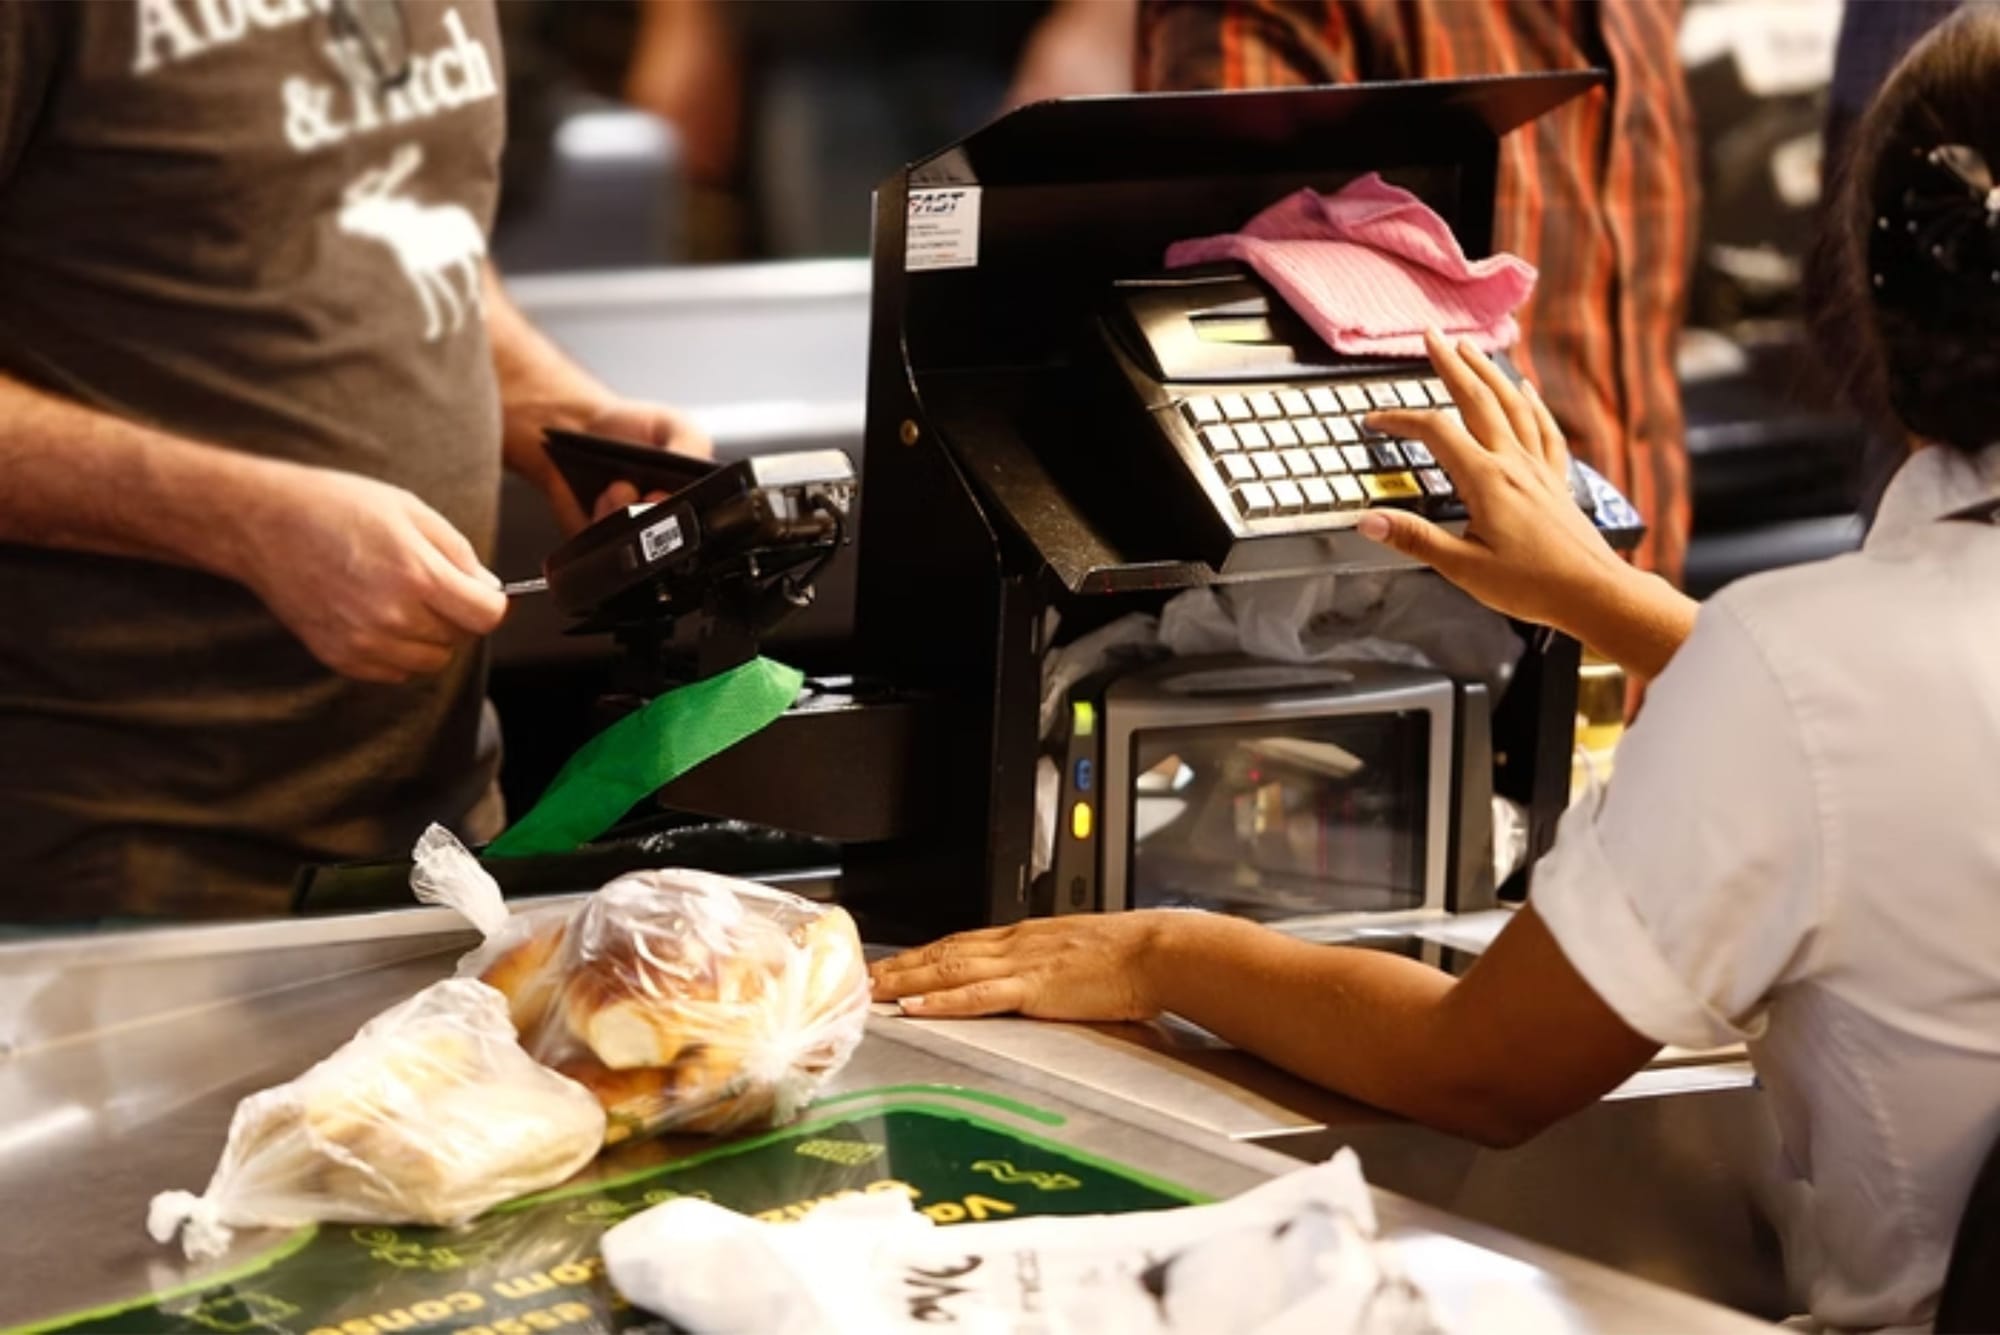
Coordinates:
(1798,851)
(257,383)
(791,114)
(1598,195)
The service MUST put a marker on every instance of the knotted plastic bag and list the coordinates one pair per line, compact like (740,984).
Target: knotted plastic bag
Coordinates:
(431,1114)
(686,1001)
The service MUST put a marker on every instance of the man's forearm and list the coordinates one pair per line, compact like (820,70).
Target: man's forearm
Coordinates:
(1372,1025)
(84,480)
(540,386)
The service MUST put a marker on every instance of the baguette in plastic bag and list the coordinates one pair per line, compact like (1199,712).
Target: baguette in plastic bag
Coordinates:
(686,1001)
(431,1114)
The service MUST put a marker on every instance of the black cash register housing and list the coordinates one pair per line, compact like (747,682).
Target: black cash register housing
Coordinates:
(1014,491)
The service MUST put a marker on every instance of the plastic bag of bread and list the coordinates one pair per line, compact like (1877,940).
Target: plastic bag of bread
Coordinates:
(686,1001)
(430,1115)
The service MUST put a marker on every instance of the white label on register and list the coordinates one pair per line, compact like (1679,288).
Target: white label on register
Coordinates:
(658,540)
(943,229)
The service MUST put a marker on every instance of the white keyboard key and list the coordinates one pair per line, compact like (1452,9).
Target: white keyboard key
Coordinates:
(1343,430)
(1238,468)
(1294,403)
(1348,491)
(1383,395)
(1234,407)
(1319,496)
(1282,434)
(1322,399)
(1202,411)
(1312,431)
(1353,398)
(1440,396)
(1357,457)
(1269,466)
(1329,460)
(1300,463)
(1264,405)
(1288,496)
(1254,498)
(1218,439)
(1251,436)
(1411,392)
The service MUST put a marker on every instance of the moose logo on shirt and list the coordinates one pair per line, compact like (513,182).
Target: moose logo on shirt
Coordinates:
(432,242)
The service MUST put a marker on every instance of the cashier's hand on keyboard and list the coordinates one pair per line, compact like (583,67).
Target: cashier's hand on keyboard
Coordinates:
(378,586)
(1528,551)
(1072,968)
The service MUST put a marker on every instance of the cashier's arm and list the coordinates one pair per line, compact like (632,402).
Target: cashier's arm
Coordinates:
(1517,1044)
(1528,550)
(540,387)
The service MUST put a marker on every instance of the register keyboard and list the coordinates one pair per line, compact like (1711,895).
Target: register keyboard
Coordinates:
(1296,450)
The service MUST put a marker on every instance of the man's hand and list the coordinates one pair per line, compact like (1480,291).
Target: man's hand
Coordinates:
(652,424)
(379,586)
(1079,968)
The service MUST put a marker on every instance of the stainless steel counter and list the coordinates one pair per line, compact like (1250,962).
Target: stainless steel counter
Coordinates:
(121,1059)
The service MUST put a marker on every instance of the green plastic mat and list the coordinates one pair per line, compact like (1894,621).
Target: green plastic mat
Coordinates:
(533,1264)
(647,749)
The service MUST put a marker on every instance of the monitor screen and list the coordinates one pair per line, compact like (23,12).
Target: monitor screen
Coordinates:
(1274,821)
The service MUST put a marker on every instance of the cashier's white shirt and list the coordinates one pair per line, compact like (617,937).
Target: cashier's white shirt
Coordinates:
(1801,848)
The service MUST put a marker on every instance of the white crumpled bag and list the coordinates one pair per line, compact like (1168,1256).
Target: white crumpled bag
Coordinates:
(1294,1256)
(685,1001)
(1415,620)
(431,1114)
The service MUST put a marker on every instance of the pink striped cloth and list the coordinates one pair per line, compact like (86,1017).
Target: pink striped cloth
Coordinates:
(1371,267)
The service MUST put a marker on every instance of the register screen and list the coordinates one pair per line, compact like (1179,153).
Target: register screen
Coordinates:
(1320,815)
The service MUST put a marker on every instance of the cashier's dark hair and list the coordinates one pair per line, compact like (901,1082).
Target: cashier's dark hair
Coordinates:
(1909,300)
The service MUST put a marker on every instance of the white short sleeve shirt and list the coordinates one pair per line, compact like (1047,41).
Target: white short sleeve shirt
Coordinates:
(1801,849)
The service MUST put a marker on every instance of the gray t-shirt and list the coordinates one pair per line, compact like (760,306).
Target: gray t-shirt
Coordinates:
(214,220)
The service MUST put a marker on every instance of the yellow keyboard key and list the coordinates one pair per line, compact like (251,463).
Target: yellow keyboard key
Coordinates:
(1391,486)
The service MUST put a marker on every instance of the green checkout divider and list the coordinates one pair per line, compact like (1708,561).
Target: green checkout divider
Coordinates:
(532,1265)
(647,749)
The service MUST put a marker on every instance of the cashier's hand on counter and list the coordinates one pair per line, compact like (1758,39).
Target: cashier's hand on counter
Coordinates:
(377,585)
(1528,551)
(1093,967)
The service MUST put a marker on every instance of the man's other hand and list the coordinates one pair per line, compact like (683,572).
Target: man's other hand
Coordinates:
(379,586)
(639,423)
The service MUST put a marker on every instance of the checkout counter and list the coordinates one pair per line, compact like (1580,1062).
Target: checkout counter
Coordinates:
(1000,503)
(127,1054)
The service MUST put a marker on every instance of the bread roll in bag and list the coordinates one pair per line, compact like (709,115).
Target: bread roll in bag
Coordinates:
(431,1114)
(685,1000)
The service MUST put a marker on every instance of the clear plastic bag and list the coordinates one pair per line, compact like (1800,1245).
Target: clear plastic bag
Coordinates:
(430,1114)
(686,1001)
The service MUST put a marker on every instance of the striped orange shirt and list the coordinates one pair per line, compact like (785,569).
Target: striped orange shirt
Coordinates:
(1598,195)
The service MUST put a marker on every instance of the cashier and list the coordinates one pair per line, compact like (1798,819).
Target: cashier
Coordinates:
(1799,850)
(257,382)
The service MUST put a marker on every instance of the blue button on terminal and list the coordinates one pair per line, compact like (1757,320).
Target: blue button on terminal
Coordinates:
(1083,775)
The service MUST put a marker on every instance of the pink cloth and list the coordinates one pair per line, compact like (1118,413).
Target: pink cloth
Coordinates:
(1371,267)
